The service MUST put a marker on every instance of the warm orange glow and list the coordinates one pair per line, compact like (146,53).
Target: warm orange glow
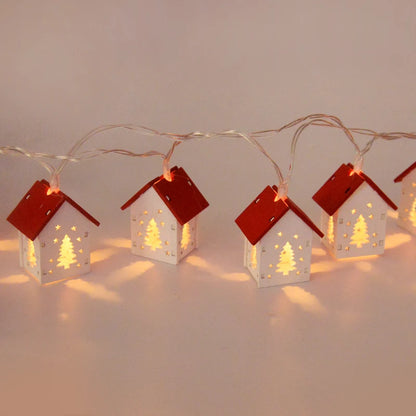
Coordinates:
(14,279)
(330,232)
(152,238)
(93,290)
(67,255)
(9,245)
(360,235)
(51,191)
(31,257)
(412,214)
(186,236)
(253,257)
(287,263)
(128,273)
(307,301)
(396,240)
(118,242)
(102,254)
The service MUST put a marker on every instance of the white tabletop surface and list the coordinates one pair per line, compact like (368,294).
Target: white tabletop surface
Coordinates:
(136,337)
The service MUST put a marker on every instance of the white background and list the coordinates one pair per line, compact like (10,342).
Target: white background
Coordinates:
(200,339)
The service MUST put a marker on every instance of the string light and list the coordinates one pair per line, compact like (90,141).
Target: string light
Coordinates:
(319,120)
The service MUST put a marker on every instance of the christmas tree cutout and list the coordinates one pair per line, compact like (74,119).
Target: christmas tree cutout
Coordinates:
(67,255)
(31,258)
(360,235)
(330,233)
(152,238)
(287,263)
(186,236)
(412,214)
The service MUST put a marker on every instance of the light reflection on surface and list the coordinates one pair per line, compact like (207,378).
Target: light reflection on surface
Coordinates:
(9,245)
(118,242)
(307,301)
(396,240)
(130,272)
(317,251)
(102,254)
(323,266)
(93,290)
(14,279)
(215,270)
(393,214)
(364,266)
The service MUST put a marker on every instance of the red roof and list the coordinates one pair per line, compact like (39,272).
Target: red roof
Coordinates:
(341,185)
(181,196)
(405,173)
(37,208)
(264,212)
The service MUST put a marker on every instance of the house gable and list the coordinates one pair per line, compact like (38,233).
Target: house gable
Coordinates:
(341,186)
(406,172)
(180,195)
(37,208)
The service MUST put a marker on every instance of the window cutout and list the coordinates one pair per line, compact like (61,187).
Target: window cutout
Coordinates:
(166,243)
(152,238)
(360,235)
(67,255)
(345,235)
(145,212)
(139,234)
(295,236)
(79,239)
(159,211)
(414,184)
(412,214)
(330,231)
(141,222)
(167,253)
(81,250)
(73,228)
(371,216)
(298,272)
(279,233)
(300,248)
(269,276)
(286,263)
(374,234)
(347,248)
(353,211)
(31,255)
(57,227)
(270,265)
(162,224)
(374,244)
(50,260)
(276,246)
(301,259)
(370,205)
(50,271)
(79,265)
(348,223)
(253,257)
(186,236)
(55,240)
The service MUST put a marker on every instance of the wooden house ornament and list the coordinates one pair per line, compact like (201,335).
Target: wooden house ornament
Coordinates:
(54,233)
(278,240)
(354,211)
(407,205)
(164,217)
